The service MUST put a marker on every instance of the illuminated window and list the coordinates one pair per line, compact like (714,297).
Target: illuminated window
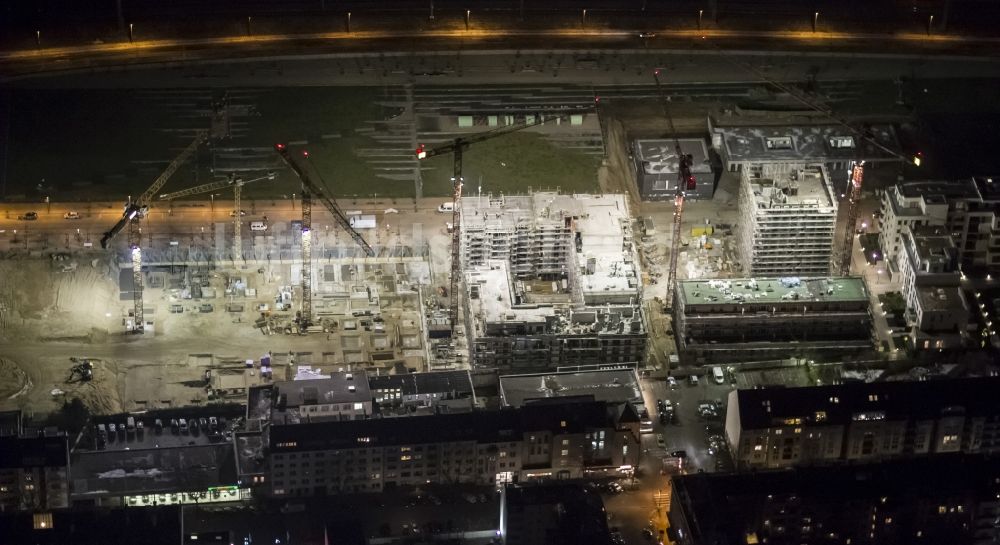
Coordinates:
(565,452)
(834,399)
(942,509)
(404,458)
(758,448)
(562,423)
(949,439)
(364,439)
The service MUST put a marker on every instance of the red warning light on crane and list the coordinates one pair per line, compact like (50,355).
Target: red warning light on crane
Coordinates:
(279,147)
(305,154)
(421,152)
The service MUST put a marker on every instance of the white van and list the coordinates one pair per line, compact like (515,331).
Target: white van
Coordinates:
(448,207)
(718,375)
(258,226)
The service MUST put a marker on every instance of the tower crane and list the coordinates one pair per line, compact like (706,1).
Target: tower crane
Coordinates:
(456,147)
(232,181)
(133,213)
(311,189)
(685,182)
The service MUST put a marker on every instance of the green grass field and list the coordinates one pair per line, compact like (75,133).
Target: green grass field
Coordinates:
(513,164)
(90,145)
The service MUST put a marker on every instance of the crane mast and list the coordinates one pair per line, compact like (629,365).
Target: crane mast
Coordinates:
(133,213)
(311,190)
(857,177)
(685,181)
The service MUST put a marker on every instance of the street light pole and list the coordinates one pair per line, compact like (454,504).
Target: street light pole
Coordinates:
(468,15)
(815,20)
(700,13)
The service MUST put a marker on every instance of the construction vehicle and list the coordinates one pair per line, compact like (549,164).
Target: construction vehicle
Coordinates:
(231,181)
(685,182)
(310,189)
(457,147)
(82,371)
(131,216)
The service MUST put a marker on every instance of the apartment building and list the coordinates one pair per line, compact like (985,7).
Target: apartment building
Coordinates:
(552,280)
(752,141)
(788,215)
(950,499)
(34,467)
(746,319)
(656,165)
(862,422)
(561,440)
(937,312)
(969,211)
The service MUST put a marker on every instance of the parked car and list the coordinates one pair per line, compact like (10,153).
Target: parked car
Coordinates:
(660,441)
(183,425)
(174,426)
(28,216)
(232,213)
(158,426)
(671,382)
(693,380)
(71,215)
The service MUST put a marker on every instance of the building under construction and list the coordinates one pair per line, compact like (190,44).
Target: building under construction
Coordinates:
(552,281)
(788,215)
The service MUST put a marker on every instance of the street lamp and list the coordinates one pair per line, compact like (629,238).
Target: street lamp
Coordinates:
(131,27)
(815,20)
(468,15)
(700,13)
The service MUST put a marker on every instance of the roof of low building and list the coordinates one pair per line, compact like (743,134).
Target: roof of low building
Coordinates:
(842,403)
(435,382)
(339,388)
(611,385)
(487,426)
(660,156)
(153,470)
(555,514)
(741,508)
(821,142)
(18,452)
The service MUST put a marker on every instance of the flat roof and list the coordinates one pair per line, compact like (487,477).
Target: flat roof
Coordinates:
(760,142)
(336,389)
(434,382)
(155,470)
(660,156)
(808,186)
(610,385)
(938,299)
(728,508)
(952,189)
(934,248)
(898,400)
(495,302)
(772,290)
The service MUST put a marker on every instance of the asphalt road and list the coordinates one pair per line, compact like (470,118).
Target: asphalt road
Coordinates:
(608,62)
(189,218)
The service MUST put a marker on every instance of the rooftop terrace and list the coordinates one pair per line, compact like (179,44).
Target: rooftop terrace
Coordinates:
(772,290)
(801,143)
(660,156)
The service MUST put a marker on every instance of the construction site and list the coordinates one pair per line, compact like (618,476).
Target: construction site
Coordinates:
(553,282)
